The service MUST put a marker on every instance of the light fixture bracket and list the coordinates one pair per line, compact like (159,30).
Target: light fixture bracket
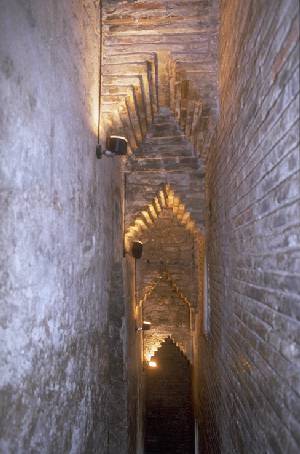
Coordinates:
(137,249)
(115,146)
(145,326)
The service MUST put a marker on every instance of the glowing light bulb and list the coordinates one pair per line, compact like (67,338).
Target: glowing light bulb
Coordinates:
(152,364)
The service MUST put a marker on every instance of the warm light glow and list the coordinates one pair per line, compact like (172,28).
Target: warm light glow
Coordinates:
(152,364)
(151,345)
(165,198)
(119,137)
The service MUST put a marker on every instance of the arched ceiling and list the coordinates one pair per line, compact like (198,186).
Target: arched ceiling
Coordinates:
(160,54)
(164,172)
(159,89)
(169,316)
(166,199)
(169,250)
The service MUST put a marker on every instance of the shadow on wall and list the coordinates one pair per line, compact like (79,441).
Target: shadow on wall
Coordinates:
(169,418)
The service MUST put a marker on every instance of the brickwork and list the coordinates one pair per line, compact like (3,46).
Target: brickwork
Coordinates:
(71,358)
(169,316)
(160,54)
(251,358)
(165,209)
(165,158)
(168,246)
(164,276)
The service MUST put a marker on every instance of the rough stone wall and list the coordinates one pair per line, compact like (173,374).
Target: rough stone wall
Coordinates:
(133,362)
(253,246)
(60,235)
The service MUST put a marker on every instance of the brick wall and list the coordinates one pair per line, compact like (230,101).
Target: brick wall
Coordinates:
(254,234)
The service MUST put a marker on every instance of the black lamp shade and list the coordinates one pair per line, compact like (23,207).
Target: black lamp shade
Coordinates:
(137,249)
(117,145)
(146,326)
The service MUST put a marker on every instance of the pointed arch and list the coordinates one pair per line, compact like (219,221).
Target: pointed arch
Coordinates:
(170,340)
(165,198)
(165,277)
(152,349)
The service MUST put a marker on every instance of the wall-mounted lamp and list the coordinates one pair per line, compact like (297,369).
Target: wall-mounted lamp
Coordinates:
(145,326)
(137,249)
(115,146)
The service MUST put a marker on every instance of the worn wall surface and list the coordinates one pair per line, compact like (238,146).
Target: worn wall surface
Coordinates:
(60,248)
(254,226)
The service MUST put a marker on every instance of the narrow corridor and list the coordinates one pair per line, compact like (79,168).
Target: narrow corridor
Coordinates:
(149,227)
(169,419)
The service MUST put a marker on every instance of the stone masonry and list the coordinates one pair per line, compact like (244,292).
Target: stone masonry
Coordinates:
(207,94)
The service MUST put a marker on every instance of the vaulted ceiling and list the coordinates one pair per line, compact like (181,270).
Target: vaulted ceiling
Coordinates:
(160,54)
(159,89)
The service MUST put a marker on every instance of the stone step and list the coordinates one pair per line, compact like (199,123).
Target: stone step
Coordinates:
(164,150)
(165,163)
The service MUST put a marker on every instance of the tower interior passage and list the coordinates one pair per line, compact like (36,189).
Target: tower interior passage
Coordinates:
(149,227)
